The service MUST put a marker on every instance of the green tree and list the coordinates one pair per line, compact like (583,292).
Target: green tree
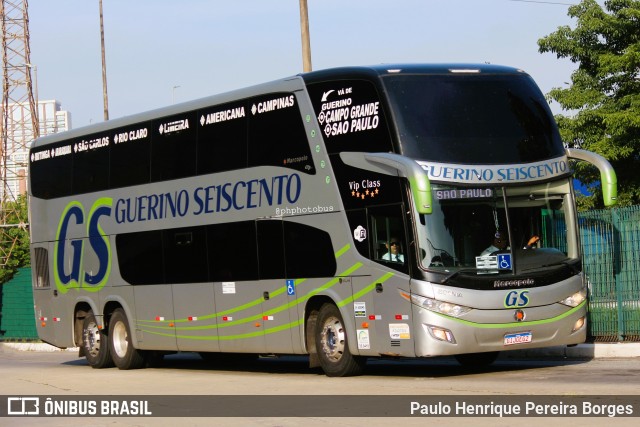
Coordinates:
(603,100)
(19,255)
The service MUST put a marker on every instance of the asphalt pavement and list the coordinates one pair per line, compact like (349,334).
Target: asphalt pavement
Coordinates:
(580,351)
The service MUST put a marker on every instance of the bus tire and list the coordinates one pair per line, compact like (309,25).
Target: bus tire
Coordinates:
(332,346)
(95,343)
(477,360)
(124,355)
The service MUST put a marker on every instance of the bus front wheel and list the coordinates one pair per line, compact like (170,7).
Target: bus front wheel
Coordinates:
(124,355)
(331,343)
(94,341)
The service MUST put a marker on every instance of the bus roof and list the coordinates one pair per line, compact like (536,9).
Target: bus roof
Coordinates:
(394,69)
(371,72)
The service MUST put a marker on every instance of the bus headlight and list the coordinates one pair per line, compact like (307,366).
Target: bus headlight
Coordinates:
(431,304)
(575,299)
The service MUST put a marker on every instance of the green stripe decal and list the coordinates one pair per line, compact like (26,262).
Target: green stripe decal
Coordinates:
(286,306)
(246,335)
(366,290)
(343,250)
(162,328)
(253,303)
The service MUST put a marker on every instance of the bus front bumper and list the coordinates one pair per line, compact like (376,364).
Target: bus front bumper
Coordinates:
(440,335)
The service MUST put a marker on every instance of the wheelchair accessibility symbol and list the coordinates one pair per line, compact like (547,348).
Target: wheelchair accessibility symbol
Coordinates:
(504,261)
(291,289)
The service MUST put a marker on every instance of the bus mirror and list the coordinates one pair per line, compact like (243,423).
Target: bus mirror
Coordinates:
(394,164)
(608,179)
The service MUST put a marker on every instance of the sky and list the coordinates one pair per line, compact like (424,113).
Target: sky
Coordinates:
(160,52)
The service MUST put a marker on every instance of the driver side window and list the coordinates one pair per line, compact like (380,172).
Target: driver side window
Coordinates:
(388,237)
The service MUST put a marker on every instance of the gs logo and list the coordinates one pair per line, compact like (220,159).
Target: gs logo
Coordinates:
(517,299)
(74,276)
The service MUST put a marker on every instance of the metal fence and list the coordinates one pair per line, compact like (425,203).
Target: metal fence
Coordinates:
(611,243)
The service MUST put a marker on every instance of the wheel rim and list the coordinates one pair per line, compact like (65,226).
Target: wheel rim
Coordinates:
(333,339)
(119,337)
(92,339)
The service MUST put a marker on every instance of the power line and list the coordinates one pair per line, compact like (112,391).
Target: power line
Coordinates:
(545,2)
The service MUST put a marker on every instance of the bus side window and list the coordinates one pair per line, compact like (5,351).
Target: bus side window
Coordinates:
(270,249)
(308,251)
(222,144)
(233,255)
(141,258)
(388,237)
(130,159)
(42,185)
(185,255)
(277,136)
(173,147)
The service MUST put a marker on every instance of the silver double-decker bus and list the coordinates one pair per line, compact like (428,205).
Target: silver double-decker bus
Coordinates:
(344,214)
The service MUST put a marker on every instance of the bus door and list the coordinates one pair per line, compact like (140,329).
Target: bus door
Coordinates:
(233,263)
(389,279)
(186,267)
(276,295)
(196,324)
(140,264)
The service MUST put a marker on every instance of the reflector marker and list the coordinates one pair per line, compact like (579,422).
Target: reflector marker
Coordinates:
(159,319)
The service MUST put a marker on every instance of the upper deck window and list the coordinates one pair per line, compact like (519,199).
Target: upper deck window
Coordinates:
(351,116)
(265,130)
(473,118)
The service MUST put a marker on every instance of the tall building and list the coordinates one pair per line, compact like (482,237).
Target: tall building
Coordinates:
(52,120)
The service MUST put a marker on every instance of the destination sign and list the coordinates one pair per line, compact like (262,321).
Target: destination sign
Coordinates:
(464,193)
(496,174)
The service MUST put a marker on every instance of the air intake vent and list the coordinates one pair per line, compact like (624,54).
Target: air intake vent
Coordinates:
(395,343)
(42,268)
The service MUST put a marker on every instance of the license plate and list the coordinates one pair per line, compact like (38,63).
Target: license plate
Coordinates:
(519,338)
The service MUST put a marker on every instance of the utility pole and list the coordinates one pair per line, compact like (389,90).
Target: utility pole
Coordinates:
(306,40)
(105,97)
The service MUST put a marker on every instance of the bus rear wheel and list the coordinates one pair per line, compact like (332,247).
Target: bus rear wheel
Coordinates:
(94,341)
(331,343)
(124,355)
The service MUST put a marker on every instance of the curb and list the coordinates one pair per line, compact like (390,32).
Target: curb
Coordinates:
(35,346)
(580,351)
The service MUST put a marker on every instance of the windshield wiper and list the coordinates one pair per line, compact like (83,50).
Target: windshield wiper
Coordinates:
(566,263)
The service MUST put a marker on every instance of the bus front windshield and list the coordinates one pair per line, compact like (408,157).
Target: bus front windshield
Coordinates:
(498,230)
(473,118)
